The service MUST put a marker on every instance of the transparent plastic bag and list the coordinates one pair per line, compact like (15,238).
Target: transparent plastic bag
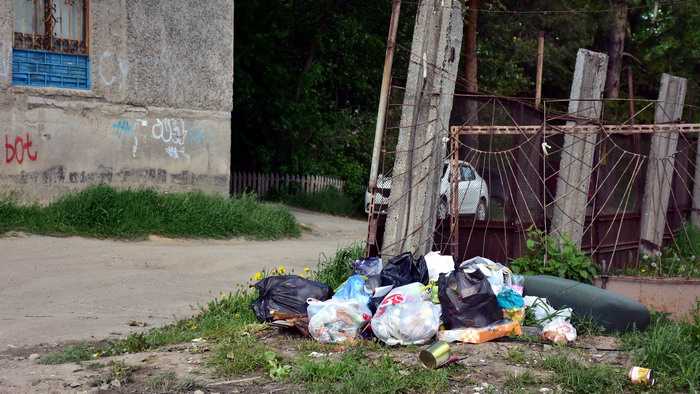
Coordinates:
(335,321)
(353,289)
(368,267)
(406,317)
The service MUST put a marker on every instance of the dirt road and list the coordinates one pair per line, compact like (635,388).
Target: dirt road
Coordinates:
(59,289)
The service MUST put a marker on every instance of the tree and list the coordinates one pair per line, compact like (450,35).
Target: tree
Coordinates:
(616,46)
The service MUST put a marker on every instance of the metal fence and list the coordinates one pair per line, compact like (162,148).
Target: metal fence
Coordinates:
(263,184)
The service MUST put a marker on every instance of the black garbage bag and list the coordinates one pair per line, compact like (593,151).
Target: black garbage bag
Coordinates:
(402,270)
(287,294)
(467,300)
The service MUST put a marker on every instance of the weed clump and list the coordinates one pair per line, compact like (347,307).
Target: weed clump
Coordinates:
(104,212)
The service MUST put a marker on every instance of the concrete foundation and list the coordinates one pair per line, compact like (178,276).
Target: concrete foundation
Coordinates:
(676,296)
(157,113)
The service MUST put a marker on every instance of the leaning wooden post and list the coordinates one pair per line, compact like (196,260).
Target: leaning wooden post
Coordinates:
(425,119)
(454,193)
(657,189)
(577,157)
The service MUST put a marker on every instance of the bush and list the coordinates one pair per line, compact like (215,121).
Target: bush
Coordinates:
(329,200)
(564,259)
(103,212)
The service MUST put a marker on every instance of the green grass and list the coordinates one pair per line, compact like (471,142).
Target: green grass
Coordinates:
(70,354)
(330,200)
(168,382)
(334,270)
(576,377)
(356,373)
(672,350)
(519,383)
(103,212)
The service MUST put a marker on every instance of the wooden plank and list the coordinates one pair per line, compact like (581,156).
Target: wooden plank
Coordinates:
(576,162)
(581,129)
(428,98)
(661,162)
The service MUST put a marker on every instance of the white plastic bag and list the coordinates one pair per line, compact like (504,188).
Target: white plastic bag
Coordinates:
(498,275)
(406,317)
(555,324)
(438,264)
(335,321)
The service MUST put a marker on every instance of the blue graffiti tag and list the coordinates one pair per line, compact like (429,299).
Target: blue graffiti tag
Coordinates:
(196,136)
(124,128)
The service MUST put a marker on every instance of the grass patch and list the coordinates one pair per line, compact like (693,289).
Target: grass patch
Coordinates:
(70,354)
(576,377)
(104,212)
(515,383)
(671,349)
(356,373)
(516,355)
(168,382)
(335,270)
(330,200)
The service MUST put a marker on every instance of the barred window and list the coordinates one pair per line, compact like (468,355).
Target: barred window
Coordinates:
(51,44)
(51,25)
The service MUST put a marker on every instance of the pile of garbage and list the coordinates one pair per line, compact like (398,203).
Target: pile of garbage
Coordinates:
(411,301)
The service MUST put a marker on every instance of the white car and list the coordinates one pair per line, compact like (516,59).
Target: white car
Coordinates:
(473,193)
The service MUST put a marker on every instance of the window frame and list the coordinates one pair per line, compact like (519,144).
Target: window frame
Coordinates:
(47,41)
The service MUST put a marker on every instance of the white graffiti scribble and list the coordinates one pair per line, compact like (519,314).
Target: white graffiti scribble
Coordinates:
(4,69)
(135,148)
(170,131)
(121,69)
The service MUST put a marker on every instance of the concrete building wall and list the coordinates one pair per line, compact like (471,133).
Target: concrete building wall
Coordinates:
(157,114)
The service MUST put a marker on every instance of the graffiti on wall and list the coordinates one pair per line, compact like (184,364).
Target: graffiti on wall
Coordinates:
(171,133)
(112,69)
(4,69)
(19,148)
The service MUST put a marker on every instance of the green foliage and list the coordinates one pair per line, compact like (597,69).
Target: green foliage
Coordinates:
(276,370)
(71,354)
(356,373)
(236,354)
(680,259)
(563,258)
(335,270)
(671,349)
(576,377)
(103,212)
(329,200)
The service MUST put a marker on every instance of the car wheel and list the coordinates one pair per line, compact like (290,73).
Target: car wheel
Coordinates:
(481,210)
(442,209)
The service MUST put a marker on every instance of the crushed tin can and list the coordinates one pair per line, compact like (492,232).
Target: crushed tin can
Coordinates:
(639,375)
(435,356)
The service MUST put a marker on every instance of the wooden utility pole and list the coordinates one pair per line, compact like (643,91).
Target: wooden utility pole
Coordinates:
(577,157)
(660,164)
(471,64)
(471,61)
(540,67)
(425,119)
(381,120)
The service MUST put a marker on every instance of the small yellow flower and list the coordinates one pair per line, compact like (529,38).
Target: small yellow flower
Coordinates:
(281,270)
(307,269)
(257,276)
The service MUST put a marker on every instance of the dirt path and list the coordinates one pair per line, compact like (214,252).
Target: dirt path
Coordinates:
(60,289)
